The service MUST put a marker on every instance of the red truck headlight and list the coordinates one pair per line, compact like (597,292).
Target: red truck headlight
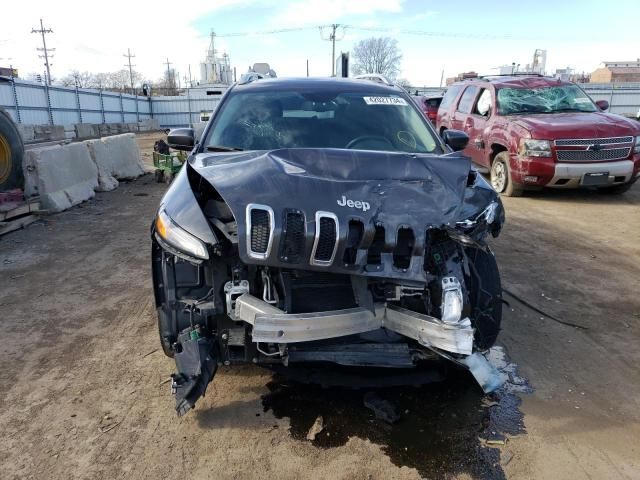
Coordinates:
(535,148)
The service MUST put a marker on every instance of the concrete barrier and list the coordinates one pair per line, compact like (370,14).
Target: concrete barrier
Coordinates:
(49,132)
(63,175)
(27,132)
(115,157)
(149,124)
(86,130)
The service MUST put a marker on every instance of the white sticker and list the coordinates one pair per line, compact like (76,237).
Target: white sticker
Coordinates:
(581,100)
(385,101)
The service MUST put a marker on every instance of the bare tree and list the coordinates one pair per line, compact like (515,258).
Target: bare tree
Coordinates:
(168,82)
(81,79)
(119,81)
(377,55)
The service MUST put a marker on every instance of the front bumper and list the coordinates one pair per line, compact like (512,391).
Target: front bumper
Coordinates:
(271,325)
(570,175)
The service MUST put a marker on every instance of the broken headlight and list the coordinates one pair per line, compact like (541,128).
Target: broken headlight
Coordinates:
(535,148)
(636,147)
(179,238)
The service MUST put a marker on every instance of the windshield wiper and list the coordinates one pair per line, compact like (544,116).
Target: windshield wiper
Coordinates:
(222,148)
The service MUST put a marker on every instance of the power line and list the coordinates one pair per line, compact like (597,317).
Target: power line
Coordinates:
(264,32)
(428,33)
(44,48)
(129,57)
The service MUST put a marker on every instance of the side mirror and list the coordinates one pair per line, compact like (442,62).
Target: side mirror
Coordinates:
(456,139)
(602,105)
(181,139)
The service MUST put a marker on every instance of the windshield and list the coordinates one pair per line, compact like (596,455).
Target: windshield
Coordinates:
(293,119)
(563,98)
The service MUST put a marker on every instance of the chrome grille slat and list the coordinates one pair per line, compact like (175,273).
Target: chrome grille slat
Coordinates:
(593,155)
(325,243)
(260,225)
(577,142)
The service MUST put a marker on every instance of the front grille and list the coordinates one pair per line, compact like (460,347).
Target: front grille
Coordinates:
(569,142)
(354,237)
(593,155)
(403,249)
(326,241)
(293,238)
(260,229)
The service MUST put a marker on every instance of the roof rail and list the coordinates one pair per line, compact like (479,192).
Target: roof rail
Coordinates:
(375,77)
(514,74)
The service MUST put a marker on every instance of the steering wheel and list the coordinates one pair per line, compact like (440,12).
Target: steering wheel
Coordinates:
(364,138)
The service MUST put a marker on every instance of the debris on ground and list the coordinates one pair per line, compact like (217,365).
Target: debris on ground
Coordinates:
(315,429)
(506,457)
(382,408)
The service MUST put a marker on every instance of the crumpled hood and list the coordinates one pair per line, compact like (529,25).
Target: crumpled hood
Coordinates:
(378,189)
(577,125)
(397,187)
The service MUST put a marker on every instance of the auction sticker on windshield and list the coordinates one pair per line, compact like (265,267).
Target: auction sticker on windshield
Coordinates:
(385,101)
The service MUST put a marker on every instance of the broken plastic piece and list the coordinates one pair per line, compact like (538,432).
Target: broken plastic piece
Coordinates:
(196,364)
(485,373)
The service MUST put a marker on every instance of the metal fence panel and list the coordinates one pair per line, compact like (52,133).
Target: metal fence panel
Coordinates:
(89,100)
(30,96)
(39,104)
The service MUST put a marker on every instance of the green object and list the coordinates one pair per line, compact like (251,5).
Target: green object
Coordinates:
(169,163)
(194,334)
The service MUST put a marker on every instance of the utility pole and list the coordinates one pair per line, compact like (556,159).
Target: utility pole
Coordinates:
(44,48)
(307,67)
(168,64)
(129,57)
(332,38)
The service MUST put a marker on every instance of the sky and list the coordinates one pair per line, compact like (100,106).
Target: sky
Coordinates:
(457,36)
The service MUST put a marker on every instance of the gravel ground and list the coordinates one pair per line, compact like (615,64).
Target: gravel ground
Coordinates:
(83,380)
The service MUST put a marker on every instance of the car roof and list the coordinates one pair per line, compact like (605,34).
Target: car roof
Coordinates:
(516,81)
(318,84)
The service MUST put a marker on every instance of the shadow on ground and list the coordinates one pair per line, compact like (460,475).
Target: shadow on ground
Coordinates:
(442,431)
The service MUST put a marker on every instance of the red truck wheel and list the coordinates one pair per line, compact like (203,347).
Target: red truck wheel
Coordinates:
(501,179)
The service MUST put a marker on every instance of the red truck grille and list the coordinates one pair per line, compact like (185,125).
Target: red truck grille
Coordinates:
(593,149)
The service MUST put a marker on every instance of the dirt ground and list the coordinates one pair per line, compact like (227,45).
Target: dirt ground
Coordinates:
(83,381)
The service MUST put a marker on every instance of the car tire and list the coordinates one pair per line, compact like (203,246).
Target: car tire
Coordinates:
(485,296)
(501,179)
(11,153)
(616,189)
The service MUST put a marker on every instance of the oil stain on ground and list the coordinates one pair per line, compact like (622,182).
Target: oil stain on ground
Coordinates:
(442,430)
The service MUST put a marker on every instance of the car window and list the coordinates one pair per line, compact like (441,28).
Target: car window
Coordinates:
(433,102)
(466,101)
(562,98)
(291,119)
(483,105)
(450,95)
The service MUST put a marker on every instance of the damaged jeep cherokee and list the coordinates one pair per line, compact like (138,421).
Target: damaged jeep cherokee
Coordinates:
(323,220)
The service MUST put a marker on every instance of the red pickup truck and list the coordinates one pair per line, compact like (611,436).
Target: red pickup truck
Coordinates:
(533,131)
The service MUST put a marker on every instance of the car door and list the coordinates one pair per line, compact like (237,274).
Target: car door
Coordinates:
(446,109)
(463,109)
(475,125)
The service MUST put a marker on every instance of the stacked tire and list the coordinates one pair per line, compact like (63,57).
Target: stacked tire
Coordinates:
(11,153)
